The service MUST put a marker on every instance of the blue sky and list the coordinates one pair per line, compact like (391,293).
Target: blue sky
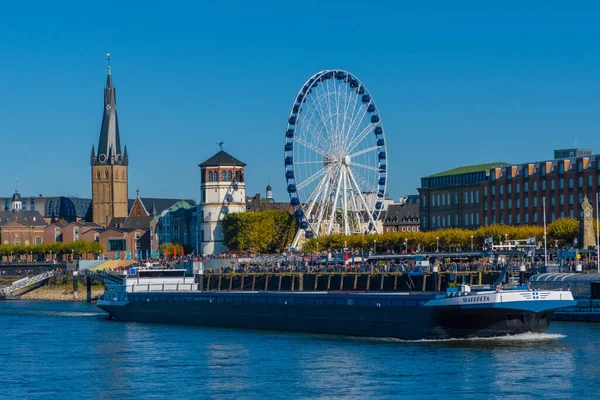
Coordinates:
(456,83)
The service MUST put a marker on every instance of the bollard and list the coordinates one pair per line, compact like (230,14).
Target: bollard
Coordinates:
(88,288)
(434,269)
(522,274)
(578,268)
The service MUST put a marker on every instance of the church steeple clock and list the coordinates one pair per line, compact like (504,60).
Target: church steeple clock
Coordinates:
(109,165)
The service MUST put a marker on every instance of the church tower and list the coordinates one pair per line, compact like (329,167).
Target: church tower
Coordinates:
(109,165)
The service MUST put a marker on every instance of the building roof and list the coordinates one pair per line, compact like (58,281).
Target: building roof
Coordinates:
(32,218)
(130,222)
(469,169)
(109,145)
(159,205)
(222,158)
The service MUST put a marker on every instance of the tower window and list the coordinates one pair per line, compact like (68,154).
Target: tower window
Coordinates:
(105,174)
(223,176)
(97,175)
(210,176)
(229,178)
(238,176)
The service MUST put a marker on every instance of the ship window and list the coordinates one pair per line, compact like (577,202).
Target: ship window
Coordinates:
(271,300)
(280,300)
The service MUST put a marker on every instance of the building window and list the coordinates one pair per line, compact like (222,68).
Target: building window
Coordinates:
(526,187)
(535,201)
(543,169)
(466,219)
(105,174)
(543,185)
(38,240)
(561,183)
(526,201)
(534,186)
(526,171)
(223,176)
(455,219)
(580,198)
(570,199)
(570,182)
(552,186)
(552,216)
(97,237)
(210,176)
(472,197)
(238,176)
(229,177)
(526,218)
(561,168)
(518,188)
(116,244)
(502,218)
(518,219)
(552,200)
(509,205)
(580,181)
(562,214)
(485,205)
(485,220)
(477,218)
(509,219)
(443,200)
(579,166)
(571,214)
(501,204)
(485,190)
(466,197)
(589,180)
(561,200)
(518,203)
(493,190)
(204,195)
(477,196)
(535,217)
(501,189)
(509,188)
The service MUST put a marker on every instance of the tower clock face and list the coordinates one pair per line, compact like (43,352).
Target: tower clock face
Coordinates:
(588,213)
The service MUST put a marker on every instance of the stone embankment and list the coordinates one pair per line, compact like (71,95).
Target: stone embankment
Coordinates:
(61,293)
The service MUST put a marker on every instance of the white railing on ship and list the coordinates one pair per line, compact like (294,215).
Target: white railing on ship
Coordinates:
(162,287)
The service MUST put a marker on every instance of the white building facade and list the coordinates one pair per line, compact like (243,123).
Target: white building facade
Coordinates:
(222,191)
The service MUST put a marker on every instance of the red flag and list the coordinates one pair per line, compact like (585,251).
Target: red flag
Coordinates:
(182,252)
(166,252)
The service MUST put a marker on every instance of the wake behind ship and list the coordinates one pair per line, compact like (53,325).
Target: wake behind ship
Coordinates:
(167,296)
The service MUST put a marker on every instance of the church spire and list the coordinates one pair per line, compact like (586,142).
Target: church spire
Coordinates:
(110,141)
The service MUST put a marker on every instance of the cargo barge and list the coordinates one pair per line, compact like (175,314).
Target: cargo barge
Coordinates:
(168,296)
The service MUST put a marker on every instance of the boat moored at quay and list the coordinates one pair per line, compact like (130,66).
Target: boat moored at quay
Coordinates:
(168,296)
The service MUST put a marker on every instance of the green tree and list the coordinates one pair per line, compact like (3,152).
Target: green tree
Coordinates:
(563,230)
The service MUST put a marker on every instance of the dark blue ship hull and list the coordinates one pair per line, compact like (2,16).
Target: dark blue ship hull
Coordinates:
(373,315)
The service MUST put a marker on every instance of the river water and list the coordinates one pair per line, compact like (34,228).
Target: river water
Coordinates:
(69,350)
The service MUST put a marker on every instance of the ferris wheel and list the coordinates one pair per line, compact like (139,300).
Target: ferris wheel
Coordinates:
(335,156)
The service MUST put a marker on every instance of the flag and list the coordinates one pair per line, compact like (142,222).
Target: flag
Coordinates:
(531,253)
(166,252)
(488,240)
(531,240)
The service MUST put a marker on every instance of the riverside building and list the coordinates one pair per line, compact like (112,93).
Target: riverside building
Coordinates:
(512,194)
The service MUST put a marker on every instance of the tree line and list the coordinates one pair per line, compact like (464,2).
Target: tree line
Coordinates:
(79,248)
(562,231)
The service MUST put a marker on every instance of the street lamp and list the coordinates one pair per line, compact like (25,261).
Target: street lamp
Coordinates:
(406,246)
(437,246)
(471,243)
(375,246)
(505,237)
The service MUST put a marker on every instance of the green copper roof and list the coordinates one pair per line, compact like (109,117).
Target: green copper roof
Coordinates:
(469,169)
